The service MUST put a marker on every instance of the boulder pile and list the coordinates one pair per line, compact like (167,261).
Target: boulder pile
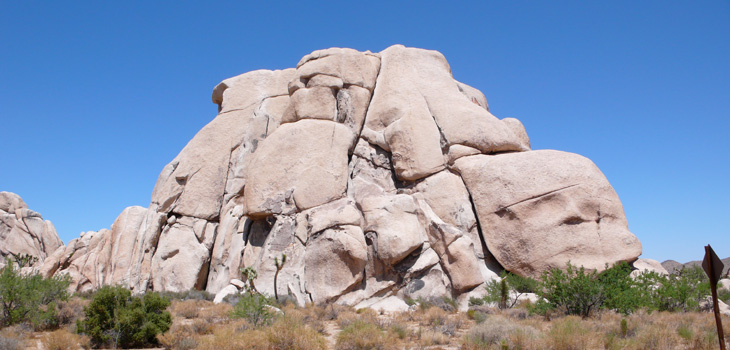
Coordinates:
(23,232)
(377,174)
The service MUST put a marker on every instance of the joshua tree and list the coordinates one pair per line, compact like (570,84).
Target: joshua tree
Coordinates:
(279,266)
(248,275)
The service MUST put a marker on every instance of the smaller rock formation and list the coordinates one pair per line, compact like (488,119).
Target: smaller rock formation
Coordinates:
(23,231)
(647,265)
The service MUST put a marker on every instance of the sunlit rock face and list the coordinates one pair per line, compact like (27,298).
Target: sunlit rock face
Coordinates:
(377,174)
(24,233)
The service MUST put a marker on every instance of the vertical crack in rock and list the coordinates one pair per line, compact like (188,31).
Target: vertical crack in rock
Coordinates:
(489,260)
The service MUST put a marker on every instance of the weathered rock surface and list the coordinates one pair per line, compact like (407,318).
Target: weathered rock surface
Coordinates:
(23,231)
(378,175)
(541,209)
(647,265)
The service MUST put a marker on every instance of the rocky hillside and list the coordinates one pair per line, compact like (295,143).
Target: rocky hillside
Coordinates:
(377,174)
(671,265)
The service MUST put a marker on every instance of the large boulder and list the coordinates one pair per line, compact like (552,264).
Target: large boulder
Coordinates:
(542,209)
(24,232)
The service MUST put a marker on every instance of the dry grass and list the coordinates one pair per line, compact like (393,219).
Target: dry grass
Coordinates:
(199,324)
(188,308)
(64,340)
(363,335)
(71,310)
(215,313)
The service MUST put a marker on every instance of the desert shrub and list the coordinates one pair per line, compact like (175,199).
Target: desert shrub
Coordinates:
(362,335)
(255,308)
(655,337)
(435,317)
(230,337)
(399,330)
(214,313)
(7,343)
(192,294)
(569,333)
(507,291)
(64,340)
(622,293)
(291,333)
(187,309)
(575,290)
(178,337)
(116,318)
(681,291)
(445,303)
(495,331)
(30,297)
(70,311)
(476,315)
(427,338)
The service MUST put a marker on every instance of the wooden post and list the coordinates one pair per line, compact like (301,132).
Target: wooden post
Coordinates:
(714,270)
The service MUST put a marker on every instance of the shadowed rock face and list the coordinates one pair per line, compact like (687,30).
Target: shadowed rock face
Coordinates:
(377,174)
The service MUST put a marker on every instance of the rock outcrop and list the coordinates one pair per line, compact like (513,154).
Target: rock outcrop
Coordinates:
(377,174)
(23,232)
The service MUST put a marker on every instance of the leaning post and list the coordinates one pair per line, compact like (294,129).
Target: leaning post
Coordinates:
(713,267)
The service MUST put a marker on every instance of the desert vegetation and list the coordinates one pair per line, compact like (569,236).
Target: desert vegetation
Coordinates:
(574,309)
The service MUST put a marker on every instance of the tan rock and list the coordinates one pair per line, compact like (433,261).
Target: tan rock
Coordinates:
(541,209)
(334,262)
(414,79)
(224,292)
(447,196)
(181,261)
(245,90)
(315,103)
(473,95)
(397,226)
(266,243)
(369,173)
(352,104)
(337,213)
(515,125)
(456,251)
(225,259)
(123,235)
(457,151)
(647,265)
(23,231)
(353,67)
(414,142)
(300,166)
(9,202)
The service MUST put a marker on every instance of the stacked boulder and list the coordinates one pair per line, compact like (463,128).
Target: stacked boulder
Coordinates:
(377,174)
(23,232)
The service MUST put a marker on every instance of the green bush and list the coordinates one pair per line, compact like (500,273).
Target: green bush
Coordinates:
(30,297)
(577,291)
(507,291)
(625,294)
(680,291)
(255,308)
(115,317)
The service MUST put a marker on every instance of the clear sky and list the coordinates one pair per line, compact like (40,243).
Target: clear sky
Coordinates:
(97,96)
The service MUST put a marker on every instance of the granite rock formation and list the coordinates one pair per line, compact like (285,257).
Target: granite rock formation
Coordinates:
(377,174)
(23,232)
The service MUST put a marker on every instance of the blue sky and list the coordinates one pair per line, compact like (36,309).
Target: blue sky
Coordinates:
(96,97)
